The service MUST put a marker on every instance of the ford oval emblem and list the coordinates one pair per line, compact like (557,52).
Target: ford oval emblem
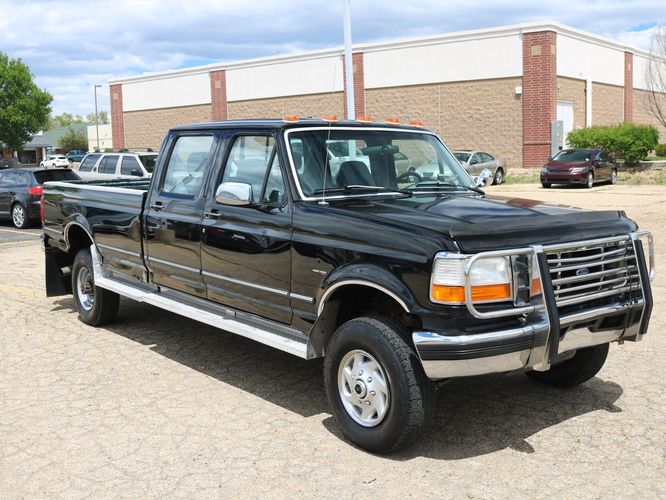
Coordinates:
(582,272)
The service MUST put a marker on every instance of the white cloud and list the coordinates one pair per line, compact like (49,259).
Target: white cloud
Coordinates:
(71,45)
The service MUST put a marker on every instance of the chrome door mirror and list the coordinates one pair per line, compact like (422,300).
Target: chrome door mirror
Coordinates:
(234,193)
(484,176)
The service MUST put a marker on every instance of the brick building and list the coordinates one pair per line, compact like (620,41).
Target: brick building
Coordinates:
(494,89)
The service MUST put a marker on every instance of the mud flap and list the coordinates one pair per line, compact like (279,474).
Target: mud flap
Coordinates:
(57,283)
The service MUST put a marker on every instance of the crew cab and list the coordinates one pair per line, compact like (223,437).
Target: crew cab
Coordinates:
(397,281)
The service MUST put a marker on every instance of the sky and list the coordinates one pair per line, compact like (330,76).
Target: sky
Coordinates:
(70,45)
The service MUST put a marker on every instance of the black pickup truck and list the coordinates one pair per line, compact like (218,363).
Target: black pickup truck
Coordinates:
(385,257)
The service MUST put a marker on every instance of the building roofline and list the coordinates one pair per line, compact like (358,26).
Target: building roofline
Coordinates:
(459,36)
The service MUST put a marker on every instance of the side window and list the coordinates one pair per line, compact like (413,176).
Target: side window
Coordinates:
(248,162)
(108,165)
(10,178)
(486,157)
(23,178)
(476,158)
(88,163)
(128,164)
(274,192)
(187,165)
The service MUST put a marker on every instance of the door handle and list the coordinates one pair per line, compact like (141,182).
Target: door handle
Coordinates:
(213,214)
(157,206)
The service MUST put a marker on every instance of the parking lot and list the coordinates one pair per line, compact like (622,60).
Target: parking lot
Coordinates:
(155,405)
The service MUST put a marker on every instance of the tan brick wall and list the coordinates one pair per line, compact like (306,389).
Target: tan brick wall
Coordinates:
(147,128)
(484,115)
(642,115)
(607,104)
(315,105)
(571,90)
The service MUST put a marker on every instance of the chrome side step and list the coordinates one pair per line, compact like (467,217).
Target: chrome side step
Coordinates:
(271,339)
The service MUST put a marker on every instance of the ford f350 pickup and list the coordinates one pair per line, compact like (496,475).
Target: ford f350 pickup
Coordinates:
(398,273)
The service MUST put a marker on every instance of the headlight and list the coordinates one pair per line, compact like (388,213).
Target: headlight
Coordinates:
(544,170)
(490,279)
(578,170)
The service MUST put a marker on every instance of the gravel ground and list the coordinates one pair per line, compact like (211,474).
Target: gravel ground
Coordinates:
(159,406)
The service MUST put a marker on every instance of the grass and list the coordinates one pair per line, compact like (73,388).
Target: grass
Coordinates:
(644,177)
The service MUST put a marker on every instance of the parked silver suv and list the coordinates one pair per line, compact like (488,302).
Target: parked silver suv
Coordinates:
(121,165)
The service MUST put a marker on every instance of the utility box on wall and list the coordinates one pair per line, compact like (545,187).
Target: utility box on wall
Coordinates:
(556,136)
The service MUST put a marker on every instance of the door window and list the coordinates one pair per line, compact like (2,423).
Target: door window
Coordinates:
(475,159)
(23,178)
(274,191)
(248,163)
(10,178)
(129,164)
(486,157)
(187,165)
(88,163)
(108,165)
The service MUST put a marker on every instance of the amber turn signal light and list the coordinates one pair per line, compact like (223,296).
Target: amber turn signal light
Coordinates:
(480,293)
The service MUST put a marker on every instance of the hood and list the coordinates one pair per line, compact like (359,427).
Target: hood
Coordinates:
(566,165)
(480,223)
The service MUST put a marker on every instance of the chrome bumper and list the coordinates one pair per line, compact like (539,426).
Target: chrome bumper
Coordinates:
(546,336)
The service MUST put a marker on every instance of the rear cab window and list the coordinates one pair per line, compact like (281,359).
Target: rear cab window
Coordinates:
(55,175)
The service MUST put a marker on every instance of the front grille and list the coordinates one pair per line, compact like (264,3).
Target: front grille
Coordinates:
(595,271)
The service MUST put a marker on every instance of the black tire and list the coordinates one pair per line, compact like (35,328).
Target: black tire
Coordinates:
(499,177)
(104,306)
(20,217)
(410,393)
(585,364)
(546,185)
(589,180)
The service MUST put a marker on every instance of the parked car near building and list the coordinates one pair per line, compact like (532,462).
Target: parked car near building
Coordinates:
(477,161)
(55,161)
(583,167)
(124,165)
(21,190)
(75,155)
(396,282)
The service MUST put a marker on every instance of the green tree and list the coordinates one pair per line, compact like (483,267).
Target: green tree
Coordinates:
(73,139)
(103,117)
(63,120)
(24,107)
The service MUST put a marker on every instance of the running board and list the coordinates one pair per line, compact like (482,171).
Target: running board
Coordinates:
(271,339)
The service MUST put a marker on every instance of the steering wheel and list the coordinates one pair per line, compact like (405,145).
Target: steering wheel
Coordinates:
(410,177)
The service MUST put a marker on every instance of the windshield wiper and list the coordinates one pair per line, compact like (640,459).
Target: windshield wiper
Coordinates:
(427,184)
(350,188)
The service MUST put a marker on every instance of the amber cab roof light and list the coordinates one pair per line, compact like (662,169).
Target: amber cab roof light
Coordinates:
(393,121)
(290,119)
(330,118)
(364,119)
(416,123)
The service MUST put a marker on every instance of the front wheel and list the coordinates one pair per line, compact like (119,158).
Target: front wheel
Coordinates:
(545,185)
(375,384)
(585,364)
(589,181)
(96,306)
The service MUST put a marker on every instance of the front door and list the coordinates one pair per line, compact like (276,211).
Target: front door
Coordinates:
(174,210)
(246,249)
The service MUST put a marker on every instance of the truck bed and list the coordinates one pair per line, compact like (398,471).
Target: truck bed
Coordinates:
(109,211)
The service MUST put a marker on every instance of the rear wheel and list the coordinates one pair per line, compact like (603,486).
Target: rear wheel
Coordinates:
(20,216)
(585,364)
(499,177)
(96,306)
(589,181)
(546,185)
(375,384)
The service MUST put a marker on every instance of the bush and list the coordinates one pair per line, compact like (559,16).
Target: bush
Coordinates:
(629,140)
(660,150)
(73,140)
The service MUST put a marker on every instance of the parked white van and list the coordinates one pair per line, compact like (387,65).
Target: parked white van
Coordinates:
(123,165)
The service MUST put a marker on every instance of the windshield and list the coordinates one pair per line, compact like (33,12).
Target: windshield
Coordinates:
(379,160)
(148,162)
(573,155)
(461,157)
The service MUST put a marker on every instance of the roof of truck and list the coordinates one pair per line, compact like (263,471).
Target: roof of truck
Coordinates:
(275,123)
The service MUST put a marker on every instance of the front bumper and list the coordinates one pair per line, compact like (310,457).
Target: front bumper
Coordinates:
(545,337)
(564,177)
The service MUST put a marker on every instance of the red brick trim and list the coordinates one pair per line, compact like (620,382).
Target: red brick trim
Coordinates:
(539,95)
(359,84)
(628,87)
(218,95)
(117,123)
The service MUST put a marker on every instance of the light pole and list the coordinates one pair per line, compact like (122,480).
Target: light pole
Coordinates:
(349,66)
(96,115)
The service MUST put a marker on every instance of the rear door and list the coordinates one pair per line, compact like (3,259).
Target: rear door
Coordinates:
(174,211)
(5,195)
(246,250)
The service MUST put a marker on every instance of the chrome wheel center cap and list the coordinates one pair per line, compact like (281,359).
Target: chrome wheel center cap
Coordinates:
(360,389)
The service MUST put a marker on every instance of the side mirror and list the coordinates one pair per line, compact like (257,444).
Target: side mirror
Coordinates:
(234,193)
(550,158)
(484,176)
(136,173)
(473,162)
